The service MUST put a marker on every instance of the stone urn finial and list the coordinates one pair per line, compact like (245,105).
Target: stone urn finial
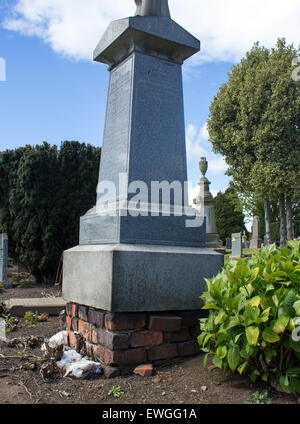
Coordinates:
(203,166)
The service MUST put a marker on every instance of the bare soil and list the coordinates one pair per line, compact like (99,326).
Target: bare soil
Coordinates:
(177,383)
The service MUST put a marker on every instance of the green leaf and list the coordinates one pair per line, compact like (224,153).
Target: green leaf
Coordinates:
(269,335)
(252,334)
(255,301)
(205,360)
(295,384)
(296,306)
(217,361)
(254,375)
(220,317)
(211,306)
(264,377)
(280,324)
(242,367)
(264,317)
(233,358)
(221,352)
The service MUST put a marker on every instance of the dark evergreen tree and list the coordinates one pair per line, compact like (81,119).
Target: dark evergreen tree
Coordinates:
(43,192)
(229,214)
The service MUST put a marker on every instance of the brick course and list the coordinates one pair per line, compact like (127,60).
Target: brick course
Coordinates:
(164,323)
(124,342)
(146,338)
(119,322)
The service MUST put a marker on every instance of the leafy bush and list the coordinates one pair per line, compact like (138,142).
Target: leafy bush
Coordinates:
(254,307)
(1,288)
(259,398)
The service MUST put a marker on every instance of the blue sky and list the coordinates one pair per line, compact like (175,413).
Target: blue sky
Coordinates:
(54,92)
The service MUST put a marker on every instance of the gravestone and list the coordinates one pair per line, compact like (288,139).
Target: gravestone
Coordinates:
(130,266)
(228,243)
(4,261)
(256,241)
(236,241)
(266,243)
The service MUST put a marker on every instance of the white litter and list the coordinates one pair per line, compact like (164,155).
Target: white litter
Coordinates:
(58,339)
(73,364)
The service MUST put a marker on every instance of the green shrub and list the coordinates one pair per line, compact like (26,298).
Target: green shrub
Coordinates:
(254,307)
(1,288)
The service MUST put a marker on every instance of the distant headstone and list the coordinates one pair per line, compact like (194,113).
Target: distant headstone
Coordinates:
(4,260)
(256,240)
(236,241)
(266,241)
(244,240)
(228,243)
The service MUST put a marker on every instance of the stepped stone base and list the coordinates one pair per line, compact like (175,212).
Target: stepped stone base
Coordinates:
(124,341)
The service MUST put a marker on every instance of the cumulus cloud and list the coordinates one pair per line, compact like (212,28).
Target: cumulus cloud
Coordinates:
(227,29)
(197,145)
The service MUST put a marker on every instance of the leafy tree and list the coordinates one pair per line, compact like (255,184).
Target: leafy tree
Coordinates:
(229,214)
(254,122)
(44,191)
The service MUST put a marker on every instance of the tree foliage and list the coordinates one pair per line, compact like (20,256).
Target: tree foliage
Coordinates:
(229,214)
(255,122)
(43,192)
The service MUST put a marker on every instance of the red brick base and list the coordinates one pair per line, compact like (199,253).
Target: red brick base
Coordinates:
(123,341)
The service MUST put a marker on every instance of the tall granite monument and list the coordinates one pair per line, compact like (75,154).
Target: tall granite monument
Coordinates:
(129,265)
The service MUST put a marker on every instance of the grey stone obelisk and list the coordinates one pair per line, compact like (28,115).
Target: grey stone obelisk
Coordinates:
(149,262)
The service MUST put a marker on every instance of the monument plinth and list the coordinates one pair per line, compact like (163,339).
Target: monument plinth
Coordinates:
(130,265)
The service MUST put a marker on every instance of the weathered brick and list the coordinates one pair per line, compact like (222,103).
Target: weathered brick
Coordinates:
(121,357)
(178,336)
(114,341)
(72,339)
(83,313)
(69,308)
(90,350)
(111,372)
(96,318)
(85,328)
(191,318)
(75,324)
(188,348)
(72,309)
(144,370)
(164,323)
(68,323)
(146,338)
(125,321)
(164,351)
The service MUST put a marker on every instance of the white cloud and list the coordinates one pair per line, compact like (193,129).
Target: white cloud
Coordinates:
(197,145)
(227,29)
